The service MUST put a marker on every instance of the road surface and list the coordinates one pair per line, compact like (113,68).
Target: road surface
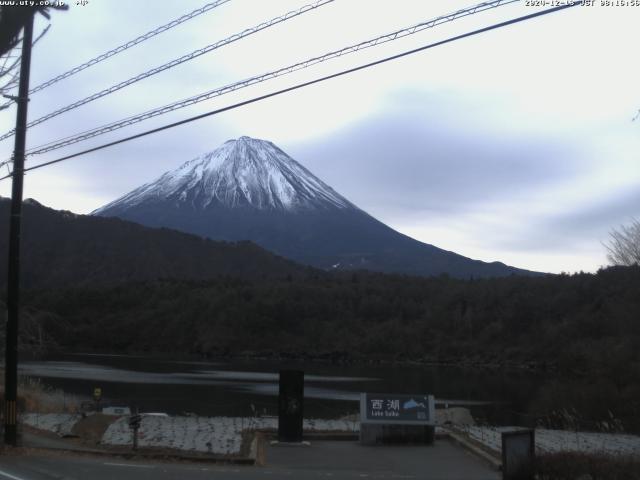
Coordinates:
(322,460)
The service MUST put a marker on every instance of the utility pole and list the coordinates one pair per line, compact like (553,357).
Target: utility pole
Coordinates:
(13,286)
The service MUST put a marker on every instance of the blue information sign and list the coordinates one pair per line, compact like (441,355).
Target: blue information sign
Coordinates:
(397,409)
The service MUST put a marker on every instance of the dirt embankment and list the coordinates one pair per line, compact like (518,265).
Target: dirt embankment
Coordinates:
(92,427)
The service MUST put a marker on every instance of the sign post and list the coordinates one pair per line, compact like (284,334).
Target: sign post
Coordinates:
(396,418)
(97,396)
(134,424)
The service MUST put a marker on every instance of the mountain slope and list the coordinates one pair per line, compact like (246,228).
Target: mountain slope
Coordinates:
(60,248)
(241,173)
(249,189)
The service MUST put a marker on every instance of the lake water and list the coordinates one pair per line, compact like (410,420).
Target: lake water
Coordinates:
(241,387)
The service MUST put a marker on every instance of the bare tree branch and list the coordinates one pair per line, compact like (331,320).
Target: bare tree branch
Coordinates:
(624,245)
(12,20)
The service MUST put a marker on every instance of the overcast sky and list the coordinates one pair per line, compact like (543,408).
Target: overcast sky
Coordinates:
(517,145)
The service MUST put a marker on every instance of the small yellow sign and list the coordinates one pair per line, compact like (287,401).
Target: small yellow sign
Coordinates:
(97,393)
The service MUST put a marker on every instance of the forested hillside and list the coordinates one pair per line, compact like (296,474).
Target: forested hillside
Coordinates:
(583,322)
(62,248)
(107,285)
(582,329)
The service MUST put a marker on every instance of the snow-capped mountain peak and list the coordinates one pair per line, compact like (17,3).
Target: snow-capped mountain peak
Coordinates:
(244,172)
(250,190)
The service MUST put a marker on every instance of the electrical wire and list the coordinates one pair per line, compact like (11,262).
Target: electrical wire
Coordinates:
(306,84)
(56,144)
(129,44)
(175,62)
(121,48)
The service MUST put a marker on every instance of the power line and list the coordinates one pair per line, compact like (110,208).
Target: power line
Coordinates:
(129,44)
(56,144)
(305,84)
(175,62)
(123,47)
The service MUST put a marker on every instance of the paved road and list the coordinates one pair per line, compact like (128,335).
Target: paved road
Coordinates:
(350,460)
(60,467)
(322,460)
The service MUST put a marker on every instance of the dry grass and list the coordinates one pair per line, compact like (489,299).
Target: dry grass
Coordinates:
(41,398)
(574,466)
(35,396)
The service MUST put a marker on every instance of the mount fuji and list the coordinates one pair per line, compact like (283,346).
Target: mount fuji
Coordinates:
(249,189)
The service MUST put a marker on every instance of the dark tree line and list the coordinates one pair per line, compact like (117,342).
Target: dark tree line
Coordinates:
(584,329)
(579,323)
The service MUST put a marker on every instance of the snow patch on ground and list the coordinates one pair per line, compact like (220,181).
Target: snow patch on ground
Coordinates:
(223,435)
(220,435)
(551,441)
(59,423)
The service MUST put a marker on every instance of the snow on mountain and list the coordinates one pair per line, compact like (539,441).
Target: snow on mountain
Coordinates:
(243,172)
(251,190)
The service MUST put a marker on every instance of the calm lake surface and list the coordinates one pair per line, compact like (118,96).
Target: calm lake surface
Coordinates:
(240,387)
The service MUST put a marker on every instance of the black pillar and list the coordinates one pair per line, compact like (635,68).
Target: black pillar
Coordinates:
(290,406)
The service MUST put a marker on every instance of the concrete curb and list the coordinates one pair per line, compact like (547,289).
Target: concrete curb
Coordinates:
(251,459)
(311,435)
(256,454)
(475,448)
(351,437)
